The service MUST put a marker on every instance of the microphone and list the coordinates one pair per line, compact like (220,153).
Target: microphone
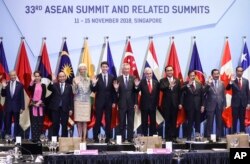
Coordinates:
(26,150)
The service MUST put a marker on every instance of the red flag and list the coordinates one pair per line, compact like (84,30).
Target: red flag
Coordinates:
(129,58)
(174,62)
(46,73)
(225,76)
(24,73)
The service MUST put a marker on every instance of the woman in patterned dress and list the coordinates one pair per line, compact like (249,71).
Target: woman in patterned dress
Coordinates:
(82,105)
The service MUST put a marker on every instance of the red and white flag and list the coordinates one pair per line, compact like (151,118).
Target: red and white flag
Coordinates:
(225,75)
(129,58)
(24,73)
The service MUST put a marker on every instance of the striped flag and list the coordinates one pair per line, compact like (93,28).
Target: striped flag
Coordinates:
(46,74)
(152,62)
(106,55)
(4,70)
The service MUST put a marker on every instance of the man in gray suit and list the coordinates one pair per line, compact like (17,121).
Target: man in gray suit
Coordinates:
(240,98)
(215,103)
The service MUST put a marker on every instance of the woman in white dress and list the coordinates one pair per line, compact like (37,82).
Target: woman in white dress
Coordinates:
(82,104)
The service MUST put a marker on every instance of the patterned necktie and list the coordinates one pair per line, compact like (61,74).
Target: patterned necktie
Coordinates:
(149,86)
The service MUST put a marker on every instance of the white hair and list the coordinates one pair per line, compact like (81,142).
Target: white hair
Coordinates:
(82,65)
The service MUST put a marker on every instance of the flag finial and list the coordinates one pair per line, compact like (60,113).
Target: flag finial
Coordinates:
(64,38)
(1,38)
(106,37)
(128,37)
(44,38)
(86,38)
(227,37)
(194,37)
(244,37)
(150,37)
(22,37)
(172,37)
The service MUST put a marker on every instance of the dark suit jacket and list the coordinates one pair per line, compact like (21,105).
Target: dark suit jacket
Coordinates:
(149,101)
(16,102)
(170,95)
(32,89)
(192,99)
(104,94)
(214,96)
(127,97)
(56,97)
(240,97)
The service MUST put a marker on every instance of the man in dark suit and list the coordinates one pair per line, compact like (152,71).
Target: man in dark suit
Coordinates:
(215,103)
(192,101)
(61,104)
(14,103)
(171,88)
(104,90)
(149,100)
(240,98)
(126,87)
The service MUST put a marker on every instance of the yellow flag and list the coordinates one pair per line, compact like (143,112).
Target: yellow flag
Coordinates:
(86,59)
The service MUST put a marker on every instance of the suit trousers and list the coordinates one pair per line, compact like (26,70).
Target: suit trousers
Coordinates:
(239,113)
(217,112)
(125,113)
(144,121)
(16,116)
(170,122)
(107,110)
(60,117)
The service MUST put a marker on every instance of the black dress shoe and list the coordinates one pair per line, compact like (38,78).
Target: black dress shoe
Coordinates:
(218,139)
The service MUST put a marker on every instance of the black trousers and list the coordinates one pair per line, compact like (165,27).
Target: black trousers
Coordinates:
(170,122)
(151,113)
(60,117)
(107,110)
(8,124)
(239,113)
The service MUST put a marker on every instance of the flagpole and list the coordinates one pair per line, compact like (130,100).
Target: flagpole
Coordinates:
(244,39)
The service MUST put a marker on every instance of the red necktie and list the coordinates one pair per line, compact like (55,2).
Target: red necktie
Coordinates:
(239,83)
(149,86)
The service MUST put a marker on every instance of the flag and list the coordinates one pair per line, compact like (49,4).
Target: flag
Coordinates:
(152,62)
(225,75)
(46,74)
(86,59)
(174,62)
(4,70)
(65,64)
(128,57)
(245,63)
(66,67)
(24,73)
(195,64)
(107,56)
